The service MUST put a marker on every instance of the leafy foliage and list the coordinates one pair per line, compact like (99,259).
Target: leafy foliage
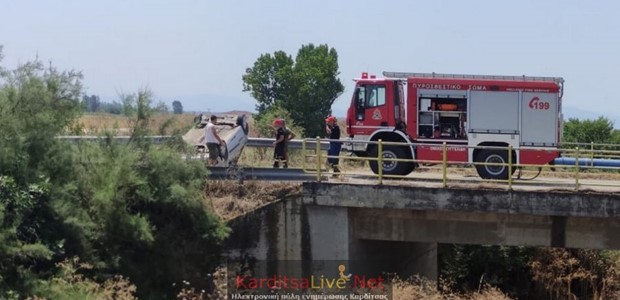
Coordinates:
(91,103)
(270,80)
(144,206)
(600,130)
(69,283)
(177,107)
(21,244)
(112,108)
(36,104)
(264,124)
(466,267)
(134,210)
(522,272)
(306,87)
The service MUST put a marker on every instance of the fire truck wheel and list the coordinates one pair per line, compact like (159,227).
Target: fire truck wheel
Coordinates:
(493,171)
(391,167)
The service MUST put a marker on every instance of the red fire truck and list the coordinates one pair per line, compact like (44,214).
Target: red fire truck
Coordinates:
(464,111)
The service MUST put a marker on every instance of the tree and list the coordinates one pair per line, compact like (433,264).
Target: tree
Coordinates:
(162,107)
(465,267)
(269,81)
(264,125)
(306,87)
(91,103)
(112,108)
(116,207)
(587,131)
(177,107)
(317,87)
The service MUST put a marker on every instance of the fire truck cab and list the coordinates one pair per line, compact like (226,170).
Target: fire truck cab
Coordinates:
(470,113)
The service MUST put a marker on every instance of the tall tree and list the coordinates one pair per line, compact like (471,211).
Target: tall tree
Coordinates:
(316,87)
(306,88)
(269,80)
(177,107)
(91,103)
(586,131)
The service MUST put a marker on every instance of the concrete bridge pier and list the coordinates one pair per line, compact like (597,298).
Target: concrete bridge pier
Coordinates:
(290,237)
(332,237)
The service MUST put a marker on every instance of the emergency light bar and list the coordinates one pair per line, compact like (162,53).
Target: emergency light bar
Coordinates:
(365,76)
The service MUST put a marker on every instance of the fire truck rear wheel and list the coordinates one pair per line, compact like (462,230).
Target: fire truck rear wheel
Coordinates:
(391,167)
(498,172)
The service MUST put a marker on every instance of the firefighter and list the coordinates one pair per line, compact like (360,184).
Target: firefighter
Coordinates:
(333,133)
(289,134)
(279,145)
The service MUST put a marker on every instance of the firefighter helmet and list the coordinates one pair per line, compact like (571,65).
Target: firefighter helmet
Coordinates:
(278,122)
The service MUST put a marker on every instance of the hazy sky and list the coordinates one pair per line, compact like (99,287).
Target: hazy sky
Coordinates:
(185,48)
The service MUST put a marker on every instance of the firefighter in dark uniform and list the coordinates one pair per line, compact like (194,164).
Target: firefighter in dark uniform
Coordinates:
(333,133)
(279,151)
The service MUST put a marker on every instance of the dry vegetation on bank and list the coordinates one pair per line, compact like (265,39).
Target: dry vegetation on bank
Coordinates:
(229,200)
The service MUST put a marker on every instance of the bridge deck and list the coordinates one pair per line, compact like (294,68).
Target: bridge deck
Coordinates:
(431,179)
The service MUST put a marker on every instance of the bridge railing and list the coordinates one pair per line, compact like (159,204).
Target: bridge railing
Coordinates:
(593,165)
(582,166)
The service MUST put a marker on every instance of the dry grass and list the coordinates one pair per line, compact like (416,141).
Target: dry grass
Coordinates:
(263,157)
(422,289)
(91,124)
(229,199)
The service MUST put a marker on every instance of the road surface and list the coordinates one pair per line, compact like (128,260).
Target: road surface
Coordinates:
(434,179)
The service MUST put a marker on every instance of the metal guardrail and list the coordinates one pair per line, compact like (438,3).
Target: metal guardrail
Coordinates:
(158,139)
(293,144)
(580,175)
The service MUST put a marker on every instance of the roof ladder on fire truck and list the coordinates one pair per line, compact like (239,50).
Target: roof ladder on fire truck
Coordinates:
(405,75)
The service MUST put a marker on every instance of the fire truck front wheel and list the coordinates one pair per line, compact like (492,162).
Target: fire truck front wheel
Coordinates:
(391,167)
(494,170)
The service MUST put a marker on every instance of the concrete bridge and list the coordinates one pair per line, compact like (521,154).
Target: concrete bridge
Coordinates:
(400,226)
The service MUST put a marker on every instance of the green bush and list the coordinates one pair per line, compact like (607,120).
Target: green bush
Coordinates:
(134,210)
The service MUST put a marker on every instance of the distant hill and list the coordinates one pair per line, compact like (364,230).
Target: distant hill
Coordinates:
(236,112)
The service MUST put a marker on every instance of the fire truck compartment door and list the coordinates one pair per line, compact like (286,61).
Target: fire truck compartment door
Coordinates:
(540,119)
(494,112)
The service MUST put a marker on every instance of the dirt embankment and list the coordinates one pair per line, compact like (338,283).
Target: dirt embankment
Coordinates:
(229,199)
